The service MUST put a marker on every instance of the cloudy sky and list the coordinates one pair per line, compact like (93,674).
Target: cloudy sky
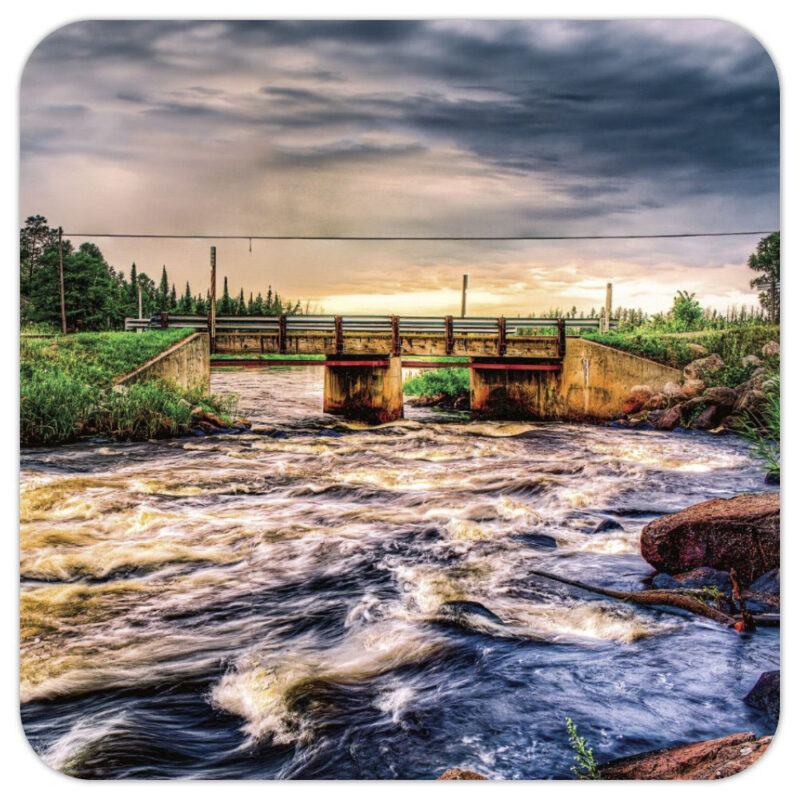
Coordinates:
(446,128)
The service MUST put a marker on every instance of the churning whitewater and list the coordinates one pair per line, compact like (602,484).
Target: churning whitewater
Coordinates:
(313,599)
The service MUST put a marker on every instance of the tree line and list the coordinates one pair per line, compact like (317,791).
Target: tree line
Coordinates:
(99,297)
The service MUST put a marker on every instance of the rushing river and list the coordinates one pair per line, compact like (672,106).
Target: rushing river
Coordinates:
(265,605)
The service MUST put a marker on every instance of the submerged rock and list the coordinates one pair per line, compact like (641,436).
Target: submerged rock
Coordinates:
(766,694)
(465,612)
(742,533)
(707,760)
(607,525)
(540,540)
(699,578)
(461,775)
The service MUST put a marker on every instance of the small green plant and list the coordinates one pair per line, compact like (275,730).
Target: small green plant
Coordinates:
(586,768)
(762,428)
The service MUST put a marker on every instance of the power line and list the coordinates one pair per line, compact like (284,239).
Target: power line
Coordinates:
(311,238)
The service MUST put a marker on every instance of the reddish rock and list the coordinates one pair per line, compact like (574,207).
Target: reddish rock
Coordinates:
(692,388)
(708,760)
(742,533)
(461,775)
(669,419)
(637,397)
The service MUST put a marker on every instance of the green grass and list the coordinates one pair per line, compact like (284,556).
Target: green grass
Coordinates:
(96,358)
(731,344)
(66,389)
(451,382)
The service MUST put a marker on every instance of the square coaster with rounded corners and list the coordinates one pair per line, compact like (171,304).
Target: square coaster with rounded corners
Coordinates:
(400,400)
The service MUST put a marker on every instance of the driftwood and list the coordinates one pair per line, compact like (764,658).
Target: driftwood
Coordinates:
(650,597)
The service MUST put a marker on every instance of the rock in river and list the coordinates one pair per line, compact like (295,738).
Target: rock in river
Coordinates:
(742,533)
(708,760)
(766,694)
(466,613)
(461,775)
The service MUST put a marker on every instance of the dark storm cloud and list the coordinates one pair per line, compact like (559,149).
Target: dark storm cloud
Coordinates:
(434,128)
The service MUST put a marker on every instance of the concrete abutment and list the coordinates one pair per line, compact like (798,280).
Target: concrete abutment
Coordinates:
(366,389)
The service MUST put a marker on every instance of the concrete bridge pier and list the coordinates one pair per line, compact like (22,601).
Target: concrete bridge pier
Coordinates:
(522,389)
(366,388)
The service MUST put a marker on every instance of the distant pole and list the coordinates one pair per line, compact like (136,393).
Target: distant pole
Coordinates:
(608,308)
(464,286)
(61,280)
(212,312)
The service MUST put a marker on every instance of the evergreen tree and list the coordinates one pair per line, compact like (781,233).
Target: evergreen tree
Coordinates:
(173,299)
(767,261)
(224,305)
(241,307)
(186,304)
(162,299)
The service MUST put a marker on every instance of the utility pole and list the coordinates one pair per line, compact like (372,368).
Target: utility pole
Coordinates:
(608,308)
(464,287)
(212,311)
(61,280)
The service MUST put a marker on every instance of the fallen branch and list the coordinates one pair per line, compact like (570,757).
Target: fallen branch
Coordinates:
(649,597)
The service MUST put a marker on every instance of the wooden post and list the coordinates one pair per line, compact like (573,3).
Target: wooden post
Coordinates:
(449,343)
(608,308)
(282,333)
(464,286)
(212,309)
(562,338)
(61,280)
(165,319)
(338,334)
(395,336)
(501,336)
(140,301)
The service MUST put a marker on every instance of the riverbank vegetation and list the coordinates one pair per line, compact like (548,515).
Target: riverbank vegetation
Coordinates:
(448,386)
(67,390)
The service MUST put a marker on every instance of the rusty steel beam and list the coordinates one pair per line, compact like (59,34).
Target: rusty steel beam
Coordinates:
(448,333)
(514,366)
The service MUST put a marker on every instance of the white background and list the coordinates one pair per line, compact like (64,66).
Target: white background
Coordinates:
(24,25)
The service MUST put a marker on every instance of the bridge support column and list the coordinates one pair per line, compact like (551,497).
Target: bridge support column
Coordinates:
(517,391)
(369,388)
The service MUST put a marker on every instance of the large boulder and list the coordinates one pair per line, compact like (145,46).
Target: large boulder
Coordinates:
(456,774)
(708,760)
(701,368)
(636,398)
(721,396)
(766,694)
(742,533)
(751,401)
(692,388)
(669,419)
(771,349)
(672,391)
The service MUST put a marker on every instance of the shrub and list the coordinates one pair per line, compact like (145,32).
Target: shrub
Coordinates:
(762,429)
(452,382)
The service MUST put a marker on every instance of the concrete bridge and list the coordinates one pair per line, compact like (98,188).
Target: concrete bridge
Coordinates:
(520,368)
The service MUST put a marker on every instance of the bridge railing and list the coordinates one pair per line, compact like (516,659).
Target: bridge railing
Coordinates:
(353,323)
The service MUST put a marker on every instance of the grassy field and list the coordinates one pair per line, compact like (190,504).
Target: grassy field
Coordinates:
(731,344)
(66,389)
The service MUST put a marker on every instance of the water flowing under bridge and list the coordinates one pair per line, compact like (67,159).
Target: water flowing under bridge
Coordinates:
(519,367)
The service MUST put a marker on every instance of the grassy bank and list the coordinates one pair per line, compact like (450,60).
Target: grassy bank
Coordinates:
(447,384)
(731,344)
(66,389)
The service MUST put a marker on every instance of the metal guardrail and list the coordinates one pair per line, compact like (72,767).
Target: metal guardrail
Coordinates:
(331,324)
